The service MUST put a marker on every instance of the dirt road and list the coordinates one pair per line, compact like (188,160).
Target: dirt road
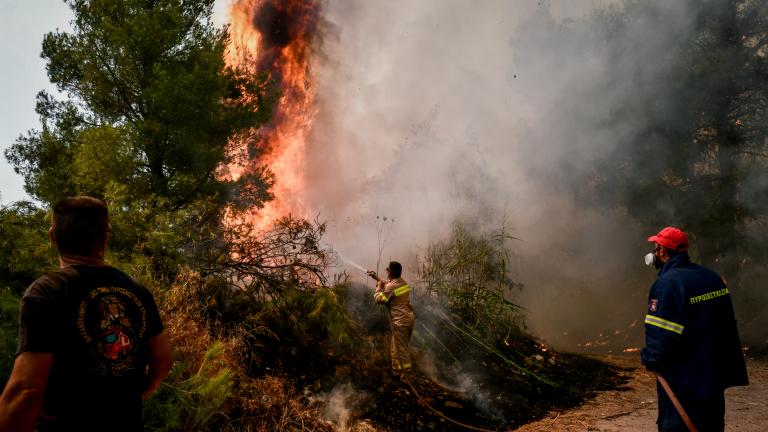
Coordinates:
(633,407)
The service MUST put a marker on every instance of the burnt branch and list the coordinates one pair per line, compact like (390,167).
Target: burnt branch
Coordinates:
(263,263)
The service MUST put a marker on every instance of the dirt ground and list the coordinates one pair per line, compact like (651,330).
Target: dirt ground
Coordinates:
(632,408)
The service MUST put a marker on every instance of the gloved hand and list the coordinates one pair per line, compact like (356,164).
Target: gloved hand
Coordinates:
(372,274)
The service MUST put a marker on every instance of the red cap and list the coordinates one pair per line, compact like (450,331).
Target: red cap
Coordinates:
(671,238)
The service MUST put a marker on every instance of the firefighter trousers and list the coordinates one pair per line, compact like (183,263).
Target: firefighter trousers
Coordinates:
(706,414)
(401,357)
(402,329)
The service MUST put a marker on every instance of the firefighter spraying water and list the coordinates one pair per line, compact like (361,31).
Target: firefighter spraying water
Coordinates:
(395,293)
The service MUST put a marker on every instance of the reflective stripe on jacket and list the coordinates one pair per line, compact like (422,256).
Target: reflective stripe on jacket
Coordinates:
(388,290)
(396,294)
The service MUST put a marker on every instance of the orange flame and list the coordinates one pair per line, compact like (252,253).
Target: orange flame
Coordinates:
(274,36)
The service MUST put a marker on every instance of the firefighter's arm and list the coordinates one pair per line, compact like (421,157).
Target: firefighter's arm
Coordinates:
(391,289)
(380,296)
(159,363)
(24,393)
(664,323)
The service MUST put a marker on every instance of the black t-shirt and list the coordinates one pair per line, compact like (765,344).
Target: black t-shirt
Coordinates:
(97,322)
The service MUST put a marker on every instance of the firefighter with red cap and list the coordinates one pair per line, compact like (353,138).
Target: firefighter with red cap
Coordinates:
(691,340)
(395,294)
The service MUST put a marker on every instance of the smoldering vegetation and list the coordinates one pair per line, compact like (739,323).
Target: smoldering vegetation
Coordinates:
(586,126)
(475,362)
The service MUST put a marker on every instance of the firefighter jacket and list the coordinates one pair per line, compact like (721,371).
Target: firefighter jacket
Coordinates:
(690,331)
(396,294)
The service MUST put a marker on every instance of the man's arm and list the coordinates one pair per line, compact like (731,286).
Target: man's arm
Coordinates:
(24,393)
(378,295)
(664,323)
(159,363)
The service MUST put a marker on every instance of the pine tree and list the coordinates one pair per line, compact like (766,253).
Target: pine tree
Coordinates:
(149,105)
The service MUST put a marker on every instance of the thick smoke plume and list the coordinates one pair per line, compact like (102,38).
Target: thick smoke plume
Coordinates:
(438,111)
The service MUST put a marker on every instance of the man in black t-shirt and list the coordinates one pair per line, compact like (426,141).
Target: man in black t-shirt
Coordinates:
(91,342)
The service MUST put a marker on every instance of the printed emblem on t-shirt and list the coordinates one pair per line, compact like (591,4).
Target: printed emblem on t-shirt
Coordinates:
(111,321)
(653,305)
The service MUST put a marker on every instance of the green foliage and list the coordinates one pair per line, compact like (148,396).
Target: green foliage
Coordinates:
(25,254)
(149,111)
(153,244)
(151,105)
(9,313)
(469,273)
(331,312)
(469,276)
(191,400)
(251,332)
(309,317)
(25,250)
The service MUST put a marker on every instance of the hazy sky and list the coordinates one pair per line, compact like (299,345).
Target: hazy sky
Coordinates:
(22,27)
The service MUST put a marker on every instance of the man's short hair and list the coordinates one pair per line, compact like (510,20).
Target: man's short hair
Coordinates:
(80,225)
(395,269)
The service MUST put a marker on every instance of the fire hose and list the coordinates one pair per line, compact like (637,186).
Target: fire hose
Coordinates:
(664,384)
(676,403)
(439,413)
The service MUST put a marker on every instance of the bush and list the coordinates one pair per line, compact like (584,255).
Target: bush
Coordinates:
(210,386)
(192,399)
(25,254)
(469,274)
(9,312)
(25,250)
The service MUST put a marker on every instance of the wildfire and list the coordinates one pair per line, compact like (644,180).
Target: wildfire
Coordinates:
(274,36)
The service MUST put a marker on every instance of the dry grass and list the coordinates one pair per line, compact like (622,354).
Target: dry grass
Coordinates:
(265,403)
(183,311)
(272,404)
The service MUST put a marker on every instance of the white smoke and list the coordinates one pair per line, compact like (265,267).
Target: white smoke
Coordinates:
(436,110)
(339,405)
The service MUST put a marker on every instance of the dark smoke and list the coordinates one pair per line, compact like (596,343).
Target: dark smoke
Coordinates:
(275,25)
(282,24)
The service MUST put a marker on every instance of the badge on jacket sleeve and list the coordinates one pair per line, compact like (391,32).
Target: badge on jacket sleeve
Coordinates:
(653,305)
